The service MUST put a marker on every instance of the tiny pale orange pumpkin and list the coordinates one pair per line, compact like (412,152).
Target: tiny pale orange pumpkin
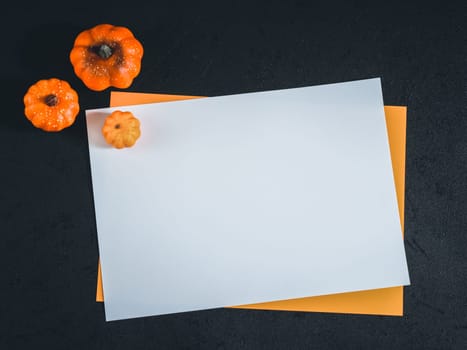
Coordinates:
(121,129)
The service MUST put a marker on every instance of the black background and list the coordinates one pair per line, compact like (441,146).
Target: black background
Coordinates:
(48,249)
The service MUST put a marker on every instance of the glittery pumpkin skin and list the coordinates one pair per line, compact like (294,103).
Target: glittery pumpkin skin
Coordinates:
(106,56)
(121,129)
(51,104)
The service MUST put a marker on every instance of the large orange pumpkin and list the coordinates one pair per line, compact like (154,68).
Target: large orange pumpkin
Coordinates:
(106,56)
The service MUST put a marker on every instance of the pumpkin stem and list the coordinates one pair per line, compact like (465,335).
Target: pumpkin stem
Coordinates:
(104,51)
(51,100)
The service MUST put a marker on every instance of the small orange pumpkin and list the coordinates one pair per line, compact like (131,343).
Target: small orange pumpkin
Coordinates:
(51,104)
(105,56)
(121,129)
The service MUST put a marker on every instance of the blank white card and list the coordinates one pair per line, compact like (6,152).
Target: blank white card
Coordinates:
(247,198)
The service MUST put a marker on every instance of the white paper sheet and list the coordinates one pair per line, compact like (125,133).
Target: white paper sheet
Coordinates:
(247,198)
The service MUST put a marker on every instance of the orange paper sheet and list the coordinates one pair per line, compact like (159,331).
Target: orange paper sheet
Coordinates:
(386,301)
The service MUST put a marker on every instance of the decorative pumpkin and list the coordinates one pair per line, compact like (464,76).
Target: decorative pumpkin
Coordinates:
(105,56)
(51,104)
(121,129)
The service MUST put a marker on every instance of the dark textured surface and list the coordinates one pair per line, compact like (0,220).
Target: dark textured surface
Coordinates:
(48,249)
